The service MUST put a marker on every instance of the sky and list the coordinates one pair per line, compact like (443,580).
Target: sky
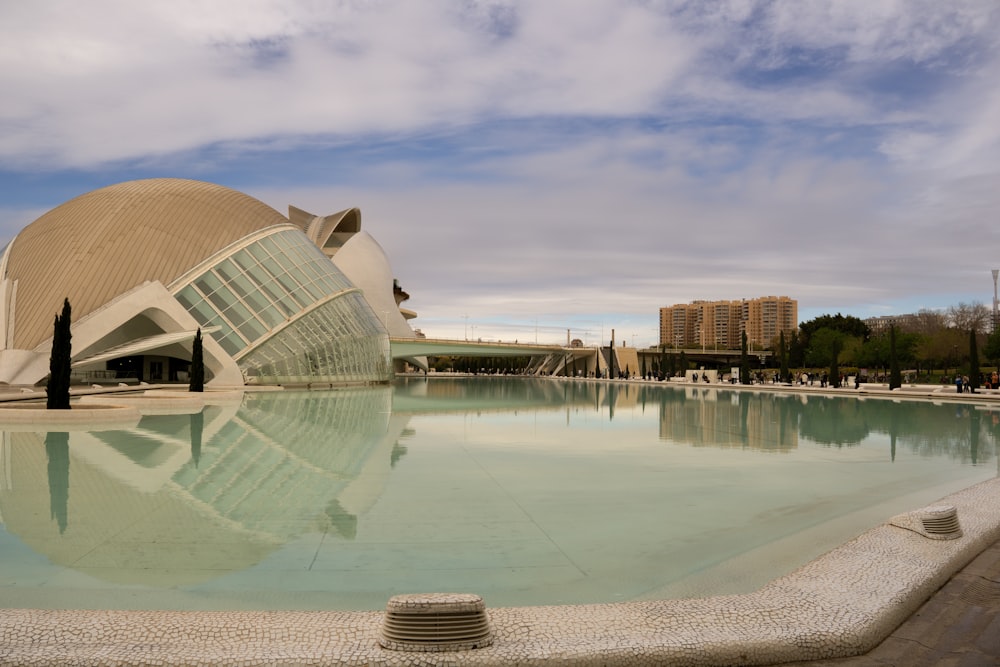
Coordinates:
(542,168)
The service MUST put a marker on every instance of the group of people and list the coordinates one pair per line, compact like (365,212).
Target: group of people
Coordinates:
(986,381)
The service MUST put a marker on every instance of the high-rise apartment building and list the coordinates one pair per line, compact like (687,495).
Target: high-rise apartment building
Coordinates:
(719,324)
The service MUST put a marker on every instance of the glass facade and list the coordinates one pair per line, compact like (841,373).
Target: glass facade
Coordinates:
(287,314)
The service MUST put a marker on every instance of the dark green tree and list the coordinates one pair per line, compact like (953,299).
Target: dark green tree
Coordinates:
(973,361)
(874,354)
(845,324)
(992,348)
(796,352)
(821,346)
(744,360)
(895,376)
(783,356)
(197,380)
(57,389)
(835,347)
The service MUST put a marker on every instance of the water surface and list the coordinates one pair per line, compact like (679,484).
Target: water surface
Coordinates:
(524,491)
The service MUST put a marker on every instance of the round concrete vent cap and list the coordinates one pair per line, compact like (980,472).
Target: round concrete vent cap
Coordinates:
(435,622)
(940,520)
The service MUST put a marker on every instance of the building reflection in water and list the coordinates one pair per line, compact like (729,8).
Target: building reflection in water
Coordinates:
(194,496)
(187,498)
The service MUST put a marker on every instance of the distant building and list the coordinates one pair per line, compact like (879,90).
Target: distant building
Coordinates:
(881,324)
(720,324)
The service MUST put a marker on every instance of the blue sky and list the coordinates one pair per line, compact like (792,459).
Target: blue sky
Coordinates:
(532,167)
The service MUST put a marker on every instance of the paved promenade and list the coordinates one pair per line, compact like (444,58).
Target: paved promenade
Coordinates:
(959,626)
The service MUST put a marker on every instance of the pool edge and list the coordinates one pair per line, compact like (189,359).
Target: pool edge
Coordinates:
(840,604)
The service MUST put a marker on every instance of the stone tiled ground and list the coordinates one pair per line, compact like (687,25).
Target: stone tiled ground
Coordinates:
(958,627)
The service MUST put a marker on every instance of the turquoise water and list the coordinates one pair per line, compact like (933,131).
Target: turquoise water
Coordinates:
(524,491)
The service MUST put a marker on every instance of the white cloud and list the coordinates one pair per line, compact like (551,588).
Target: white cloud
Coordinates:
(557,157)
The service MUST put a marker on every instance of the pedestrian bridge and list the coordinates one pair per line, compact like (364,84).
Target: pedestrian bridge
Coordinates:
(438,347)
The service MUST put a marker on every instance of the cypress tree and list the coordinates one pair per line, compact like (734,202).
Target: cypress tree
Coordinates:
(744,360)
(835,347)
(973,362)
(57,389)
(895,375)
(197,364)
(783,351)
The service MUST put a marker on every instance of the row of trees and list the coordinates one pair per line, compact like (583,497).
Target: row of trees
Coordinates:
(487,365)
(952,341)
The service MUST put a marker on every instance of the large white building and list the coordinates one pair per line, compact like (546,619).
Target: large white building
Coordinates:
(145,264)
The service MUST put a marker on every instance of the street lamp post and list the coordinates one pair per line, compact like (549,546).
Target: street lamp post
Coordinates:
(996,272)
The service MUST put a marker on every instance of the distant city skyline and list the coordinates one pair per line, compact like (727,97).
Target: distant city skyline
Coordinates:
(536,167)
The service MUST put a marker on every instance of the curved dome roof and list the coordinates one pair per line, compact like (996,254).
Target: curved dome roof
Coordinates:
(105,242)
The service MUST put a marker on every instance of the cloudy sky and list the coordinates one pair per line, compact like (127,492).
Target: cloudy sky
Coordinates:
(542,165)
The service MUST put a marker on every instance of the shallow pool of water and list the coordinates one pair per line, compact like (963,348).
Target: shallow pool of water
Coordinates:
(523,491)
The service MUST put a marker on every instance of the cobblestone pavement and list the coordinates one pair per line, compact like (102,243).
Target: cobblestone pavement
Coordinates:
(958,627)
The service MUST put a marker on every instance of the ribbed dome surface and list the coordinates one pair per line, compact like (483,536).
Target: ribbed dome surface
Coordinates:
(105,242)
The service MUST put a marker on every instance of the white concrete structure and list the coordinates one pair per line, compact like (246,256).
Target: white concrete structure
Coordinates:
(145,264)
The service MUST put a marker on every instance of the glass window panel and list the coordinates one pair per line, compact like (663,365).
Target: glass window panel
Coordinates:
(252,329)
(272,265)
(257,251)
(204,313)
(208,283)
(313,269)
(188,297)
(256,301)
(222,298)
(299,275)
(305,350)
(224,328)
(271,317)
(232,344)
(288,305)
(276,294)
(244,260)
(242,286)
(288,283)
(300,256)
(271,245)
(316,290)
(227,270)
(260,276)
(237,313)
